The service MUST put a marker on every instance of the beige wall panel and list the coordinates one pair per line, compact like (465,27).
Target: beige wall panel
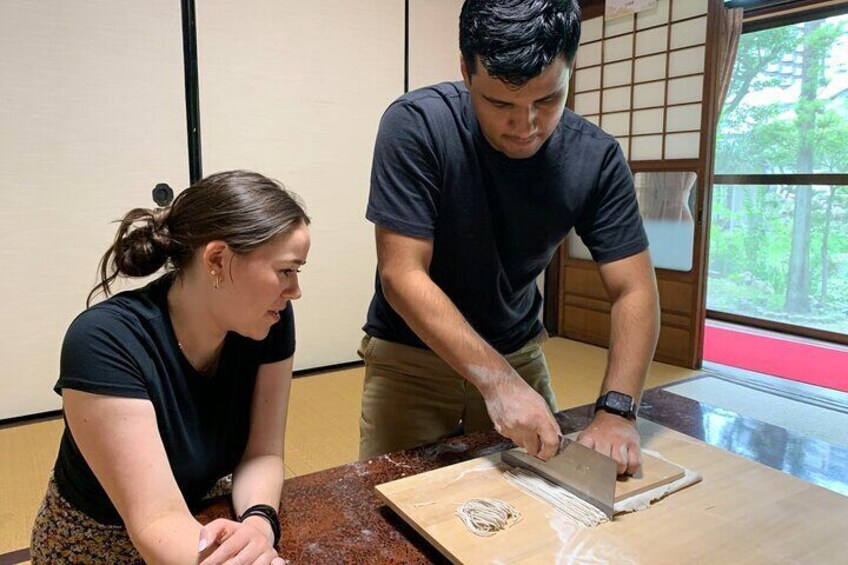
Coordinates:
(686,61)
(590,30)
(588,103)
(93,116)
(617,74)
(684,90)
(277,96)
(587,79)
(657,15)
(616,99)
(595,119)
(619,26)
(690,32)
(618,48)
(433,42)
(649,68)
(588,55)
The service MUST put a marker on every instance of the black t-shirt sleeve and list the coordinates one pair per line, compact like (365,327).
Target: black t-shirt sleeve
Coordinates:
(611,227)
(102,354)
(280,342)
(404,174)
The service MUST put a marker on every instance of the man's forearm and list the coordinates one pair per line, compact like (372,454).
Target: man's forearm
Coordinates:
(436,320)
(633,339)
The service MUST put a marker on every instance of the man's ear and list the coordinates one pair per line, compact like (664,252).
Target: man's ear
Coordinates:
(466,77)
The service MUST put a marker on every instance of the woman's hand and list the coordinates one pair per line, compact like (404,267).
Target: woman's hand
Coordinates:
(234,543)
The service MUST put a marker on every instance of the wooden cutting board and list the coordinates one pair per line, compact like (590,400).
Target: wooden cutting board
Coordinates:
(742,512)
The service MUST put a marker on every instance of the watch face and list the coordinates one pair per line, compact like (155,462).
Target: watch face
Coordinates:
(618,401)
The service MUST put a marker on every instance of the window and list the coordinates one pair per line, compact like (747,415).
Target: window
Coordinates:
(779,232)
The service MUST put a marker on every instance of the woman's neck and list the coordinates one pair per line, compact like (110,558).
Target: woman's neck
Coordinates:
(199,337)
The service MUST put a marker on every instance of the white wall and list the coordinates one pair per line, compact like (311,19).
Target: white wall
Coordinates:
(295,90)
(433,42)
(92,117)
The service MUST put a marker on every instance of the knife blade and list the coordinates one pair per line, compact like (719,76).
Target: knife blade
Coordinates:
(580,470)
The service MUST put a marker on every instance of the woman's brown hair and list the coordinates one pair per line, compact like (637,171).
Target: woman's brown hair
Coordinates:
(241,208)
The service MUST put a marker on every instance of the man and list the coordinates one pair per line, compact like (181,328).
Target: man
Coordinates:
(474,186)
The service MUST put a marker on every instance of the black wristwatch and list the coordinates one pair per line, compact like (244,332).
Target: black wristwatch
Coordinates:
(617,403)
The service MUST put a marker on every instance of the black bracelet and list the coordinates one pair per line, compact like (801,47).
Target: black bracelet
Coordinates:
(269,514)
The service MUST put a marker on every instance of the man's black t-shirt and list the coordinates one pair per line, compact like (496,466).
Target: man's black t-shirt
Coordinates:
(125,346)
(495,222)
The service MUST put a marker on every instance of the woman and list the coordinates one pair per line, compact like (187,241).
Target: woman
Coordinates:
(171,387)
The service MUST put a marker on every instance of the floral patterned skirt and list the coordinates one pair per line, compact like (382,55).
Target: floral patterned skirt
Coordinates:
(62,534)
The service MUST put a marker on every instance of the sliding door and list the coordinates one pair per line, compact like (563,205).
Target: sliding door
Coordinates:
(93,116)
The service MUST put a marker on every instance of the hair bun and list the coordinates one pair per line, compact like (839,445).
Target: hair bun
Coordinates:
(143,244)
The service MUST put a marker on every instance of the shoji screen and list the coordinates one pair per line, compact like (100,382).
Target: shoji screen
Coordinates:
(641,78)
(433,42)
(647,80)
(93,116)
(295,90)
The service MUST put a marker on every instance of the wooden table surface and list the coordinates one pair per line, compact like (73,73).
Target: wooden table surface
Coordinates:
(335,516)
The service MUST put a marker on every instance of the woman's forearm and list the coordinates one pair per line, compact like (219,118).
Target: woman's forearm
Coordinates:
(170,539)
(258,480)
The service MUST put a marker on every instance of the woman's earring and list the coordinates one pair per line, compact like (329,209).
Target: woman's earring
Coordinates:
(217,283)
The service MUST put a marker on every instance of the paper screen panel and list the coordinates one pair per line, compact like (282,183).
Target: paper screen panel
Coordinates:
(588,103)
(690,32)
(652,41)
(587,79)
(617,74)
(685,90)
(433,42)
(277,97)
(646,147)
(589,55)
(648,121)
(688,8)
(686,61)
(617,124)
(683,118)
(682,145)
(618,48)
(93,116)
(657,15)
(649,68)
(649,94)
(590,30)
(616,99)
(619,26)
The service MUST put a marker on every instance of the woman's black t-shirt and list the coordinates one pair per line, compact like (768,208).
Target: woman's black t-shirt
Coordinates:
(125,346)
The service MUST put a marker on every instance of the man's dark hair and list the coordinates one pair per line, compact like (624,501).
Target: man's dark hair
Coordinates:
(517,39)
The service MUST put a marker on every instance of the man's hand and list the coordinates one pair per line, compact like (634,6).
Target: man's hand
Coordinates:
(522,415)
(226,541)
(614,437)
